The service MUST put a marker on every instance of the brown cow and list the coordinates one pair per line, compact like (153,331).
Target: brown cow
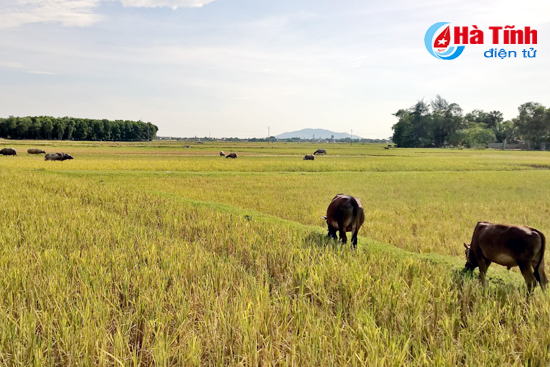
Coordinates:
(8,151)
(345,214)
(222,154)
(36,151)
(509,246)
(232,155)
(309,157)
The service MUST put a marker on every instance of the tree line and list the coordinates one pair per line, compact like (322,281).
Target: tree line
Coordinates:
(69,128)
(439,123)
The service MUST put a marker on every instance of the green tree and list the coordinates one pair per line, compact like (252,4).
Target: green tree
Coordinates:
(10,125)
(473,137)
(47,127)
(533,123)
(116,130)
(82,130)
(69,129)
(493,119)
(58,129)
(446,119)
(35,130)
(403,134)
(22,127)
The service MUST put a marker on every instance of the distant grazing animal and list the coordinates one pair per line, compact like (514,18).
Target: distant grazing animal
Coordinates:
(232,155)
(36,151)
(509,246)
(187,146)
(386,147)
(309,157)
(345,214)
(320,151)
(222,154)
(8,151)
(57,157)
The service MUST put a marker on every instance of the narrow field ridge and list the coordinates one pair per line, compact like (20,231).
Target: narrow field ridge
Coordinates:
(497,274)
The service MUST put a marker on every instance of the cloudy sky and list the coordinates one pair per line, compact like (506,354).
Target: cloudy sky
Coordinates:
(235,67)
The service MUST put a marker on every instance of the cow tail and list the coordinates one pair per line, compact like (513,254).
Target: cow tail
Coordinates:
(542,249)
(355,210)
(354,205)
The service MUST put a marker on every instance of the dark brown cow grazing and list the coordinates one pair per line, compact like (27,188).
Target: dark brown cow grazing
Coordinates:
(8,151)
(36,151)
(509,246)
(309,157)
(320,151)
(345,214)
(222,154)
(57,157)
(232,155)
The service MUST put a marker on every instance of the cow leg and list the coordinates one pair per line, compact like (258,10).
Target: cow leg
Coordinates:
(331,232)
(483,266)
(530,279)
(342,232)
(343,237)
(354,239)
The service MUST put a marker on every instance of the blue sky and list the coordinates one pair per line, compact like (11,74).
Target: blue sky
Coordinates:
(233,68)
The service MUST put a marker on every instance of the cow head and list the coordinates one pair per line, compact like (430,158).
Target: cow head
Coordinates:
(471,260)
(67,156)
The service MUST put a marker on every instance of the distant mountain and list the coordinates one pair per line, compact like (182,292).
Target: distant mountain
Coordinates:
(318,133)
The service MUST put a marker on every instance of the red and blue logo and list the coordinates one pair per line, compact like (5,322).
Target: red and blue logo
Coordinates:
(441,36)
(438,42)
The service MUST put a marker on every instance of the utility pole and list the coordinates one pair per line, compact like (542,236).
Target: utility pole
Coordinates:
(351,138)
(268,135)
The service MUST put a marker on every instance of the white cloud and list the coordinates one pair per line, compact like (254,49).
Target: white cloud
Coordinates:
(72,13)
(11,64)
(174,4)
(42,72)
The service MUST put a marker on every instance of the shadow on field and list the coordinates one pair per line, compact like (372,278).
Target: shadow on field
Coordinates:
(322,240)
(470,292)
(495,285)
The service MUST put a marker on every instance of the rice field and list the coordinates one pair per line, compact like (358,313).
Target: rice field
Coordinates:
(152,254)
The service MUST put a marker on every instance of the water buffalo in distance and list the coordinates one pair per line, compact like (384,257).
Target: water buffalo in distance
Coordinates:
(8,151)
(345,214)
(320,151)
(57,157)
(232,155)
(509,246)
(309,157)
(36,151)
(222,154)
